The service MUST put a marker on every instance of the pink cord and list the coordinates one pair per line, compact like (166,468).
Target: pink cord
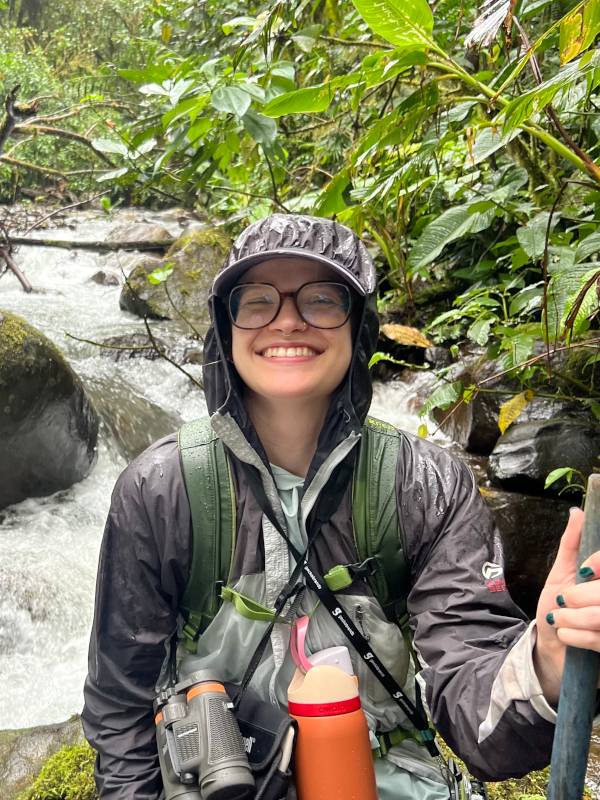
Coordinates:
(297,640)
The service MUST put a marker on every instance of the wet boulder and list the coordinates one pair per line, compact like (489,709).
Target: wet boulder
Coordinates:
(529,451)
(530,528)
(24,751)
(132,422)
(132,345)
(103,278)
(146,232)
(48,427)
(188,271)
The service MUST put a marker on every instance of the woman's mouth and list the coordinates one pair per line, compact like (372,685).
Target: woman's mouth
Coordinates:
(288,352)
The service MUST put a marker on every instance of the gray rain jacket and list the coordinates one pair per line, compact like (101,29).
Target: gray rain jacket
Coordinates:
(473,642)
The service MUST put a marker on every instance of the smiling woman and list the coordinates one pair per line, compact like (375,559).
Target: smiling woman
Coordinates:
(289,367)
(310,480)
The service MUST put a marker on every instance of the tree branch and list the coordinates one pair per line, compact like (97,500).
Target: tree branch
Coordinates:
(14,113)
(63,133)
(10,263)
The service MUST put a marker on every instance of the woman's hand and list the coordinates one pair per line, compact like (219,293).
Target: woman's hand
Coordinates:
(567,613)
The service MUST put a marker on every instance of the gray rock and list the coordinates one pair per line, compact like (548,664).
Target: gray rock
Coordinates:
(140,232)
(24,751)
(133,422)
(530,528)
(48,427)
(131,345)
(194,258)
(103,278)
(528,451)
(438,356)
(474,425)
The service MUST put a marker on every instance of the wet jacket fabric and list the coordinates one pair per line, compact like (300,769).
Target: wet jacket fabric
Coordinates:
(474,645)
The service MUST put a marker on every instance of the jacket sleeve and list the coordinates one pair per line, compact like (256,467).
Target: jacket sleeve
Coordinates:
(144,562)
(473,641)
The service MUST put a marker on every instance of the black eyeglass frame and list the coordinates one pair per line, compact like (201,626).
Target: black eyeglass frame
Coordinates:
(283,295)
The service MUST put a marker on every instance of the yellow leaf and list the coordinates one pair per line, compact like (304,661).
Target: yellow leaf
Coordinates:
(578,30)
(422,431)
(402,334)
(166,32)
(513,408)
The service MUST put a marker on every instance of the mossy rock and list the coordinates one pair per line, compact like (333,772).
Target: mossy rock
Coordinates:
(24,752)
(190,266)
(140,232)
(47,424)
(67,775)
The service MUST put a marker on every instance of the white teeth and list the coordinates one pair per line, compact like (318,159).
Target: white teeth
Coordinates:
(288,352)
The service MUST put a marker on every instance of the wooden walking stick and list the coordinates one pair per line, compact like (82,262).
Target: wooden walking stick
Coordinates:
(577,703)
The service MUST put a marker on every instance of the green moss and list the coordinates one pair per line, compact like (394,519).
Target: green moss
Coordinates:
(193,274)
(531,787)
(67,775)
(13,333)
(208,237)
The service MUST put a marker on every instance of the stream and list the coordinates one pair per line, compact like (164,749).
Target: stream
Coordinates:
(49,546)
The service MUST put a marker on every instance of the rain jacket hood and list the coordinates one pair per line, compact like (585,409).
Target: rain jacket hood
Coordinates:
(321,240)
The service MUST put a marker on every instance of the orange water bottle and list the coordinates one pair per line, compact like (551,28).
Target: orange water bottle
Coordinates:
(333,757)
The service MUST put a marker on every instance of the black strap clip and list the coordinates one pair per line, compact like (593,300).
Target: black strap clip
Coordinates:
(366,569)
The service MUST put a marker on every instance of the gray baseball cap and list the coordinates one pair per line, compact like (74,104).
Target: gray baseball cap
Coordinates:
(299,236)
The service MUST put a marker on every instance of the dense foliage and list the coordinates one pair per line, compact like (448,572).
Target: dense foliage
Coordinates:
(471,170)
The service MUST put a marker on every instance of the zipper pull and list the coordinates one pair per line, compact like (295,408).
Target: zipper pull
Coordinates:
(360,621)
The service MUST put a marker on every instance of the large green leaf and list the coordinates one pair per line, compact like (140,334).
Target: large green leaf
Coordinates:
(310,100)
(110,146)
(262,129)
(522,107)
(404,23)
(578,30)
(451,225)
(443,397)
(231,100)
(565,284)
(588,247)
(487,141)
(332,200)
(532,237)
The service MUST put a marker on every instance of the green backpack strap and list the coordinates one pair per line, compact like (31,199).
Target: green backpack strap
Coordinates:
(210,492)
(375,518)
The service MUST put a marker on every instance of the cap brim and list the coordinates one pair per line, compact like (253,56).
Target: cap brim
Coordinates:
(231,274)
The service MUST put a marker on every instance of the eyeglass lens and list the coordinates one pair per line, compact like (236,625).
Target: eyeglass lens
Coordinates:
(320,304)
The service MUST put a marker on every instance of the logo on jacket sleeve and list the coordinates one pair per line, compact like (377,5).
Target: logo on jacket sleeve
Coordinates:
(494,577)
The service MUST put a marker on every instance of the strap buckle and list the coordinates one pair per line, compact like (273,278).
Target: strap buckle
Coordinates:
(366,569)
(343,575)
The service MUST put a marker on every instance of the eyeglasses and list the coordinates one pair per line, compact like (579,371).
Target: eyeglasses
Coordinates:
(320,304)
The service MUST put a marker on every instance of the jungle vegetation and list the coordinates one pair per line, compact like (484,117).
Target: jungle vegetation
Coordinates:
(462,142)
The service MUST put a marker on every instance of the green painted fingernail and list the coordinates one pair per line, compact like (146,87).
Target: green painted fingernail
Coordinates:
(585,573)
(550,618)
(560,601)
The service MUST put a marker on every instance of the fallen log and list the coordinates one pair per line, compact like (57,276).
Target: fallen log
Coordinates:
(13,267)
(101,246)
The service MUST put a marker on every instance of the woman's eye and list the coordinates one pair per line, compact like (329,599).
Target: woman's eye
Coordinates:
(259,300)
(323,300)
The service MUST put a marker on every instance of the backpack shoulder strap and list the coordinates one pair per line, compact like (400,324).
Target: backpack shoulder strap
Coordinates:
(209,487)
(375,517)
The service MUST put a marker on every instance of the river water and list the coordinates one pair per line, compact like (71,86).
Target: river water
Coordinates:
(49,546)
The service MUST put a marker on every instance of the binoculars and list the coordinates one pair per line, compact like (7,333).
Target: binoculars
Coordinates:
(200,747)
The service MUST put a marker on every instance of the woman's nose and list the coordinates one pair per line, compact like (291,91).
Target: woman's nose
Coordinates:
(288,319)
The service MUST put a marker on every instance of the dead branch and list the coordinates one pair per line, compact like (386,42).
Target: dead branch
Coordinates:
(14,113)
(4,253)
(62,133)
(74,111)
(16,162)
(101,246)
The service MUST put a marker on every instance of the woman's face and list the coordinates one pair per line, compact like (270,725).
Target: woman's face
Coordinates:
(315,360)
